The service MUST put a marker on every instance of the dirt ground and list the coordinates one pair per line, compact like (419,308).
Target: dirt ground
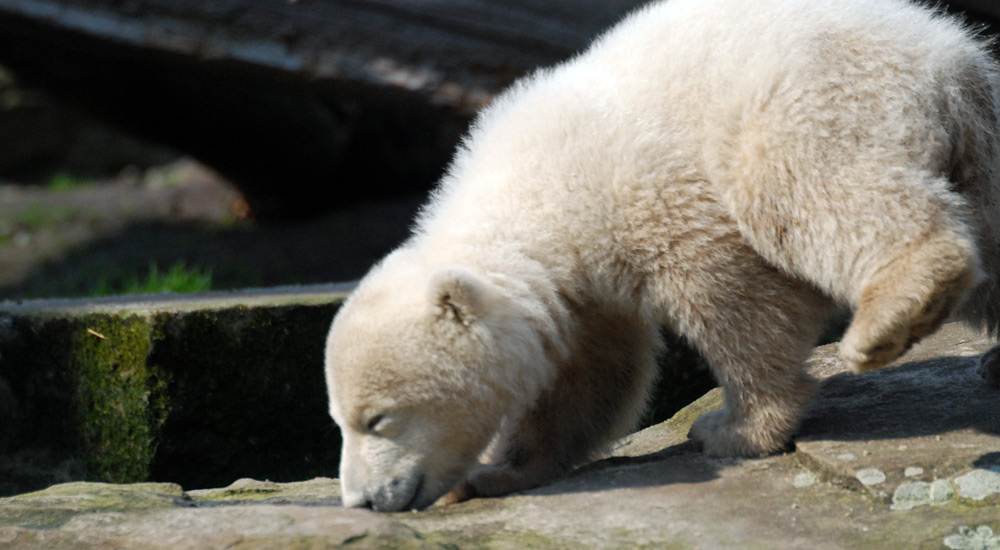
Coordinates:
(67,240)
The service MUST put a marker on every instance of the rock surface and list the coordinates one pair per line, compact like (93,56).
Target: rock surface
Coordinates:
(907,457)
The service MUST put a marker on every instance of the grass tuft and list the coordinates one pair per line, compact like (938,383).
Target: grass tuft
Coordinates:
(179,278)
(63,181)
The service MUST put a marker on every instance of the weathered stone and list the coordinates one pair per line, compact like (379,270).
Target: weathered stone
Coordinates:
(931,413)
(159,387)
(980,538)
(312,492)
(979,484)
(53,507)
(264,526)
(654,491)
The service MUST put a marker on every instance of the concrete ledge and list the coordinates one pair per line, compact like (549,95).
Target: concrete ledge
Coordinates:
(194,389)
(145,304)
(905,457)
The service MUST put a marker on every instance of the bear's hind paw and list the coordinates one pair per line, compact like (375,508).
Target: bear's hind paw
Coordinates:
(989,367)
(861,354)
(889,323)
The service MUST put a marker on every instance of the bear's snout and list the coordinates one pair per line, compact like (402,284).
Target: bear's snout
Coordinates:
(402,493)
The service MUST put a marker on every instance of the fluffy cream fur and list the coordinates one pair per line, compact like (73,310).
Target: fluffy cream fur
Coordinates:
(730,171)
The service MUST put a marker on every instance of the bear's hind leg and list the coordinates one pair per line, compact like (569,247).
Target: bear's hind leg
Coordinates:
(896,244)
(908,299)
(598,396)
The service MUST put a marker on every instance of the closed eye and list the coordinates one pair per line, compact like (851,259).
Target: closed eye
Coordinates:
(372,425)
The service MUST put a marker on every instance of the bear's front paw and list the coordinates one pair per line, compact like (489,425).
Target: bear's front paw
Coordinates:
(989,367)
(485,480)
(490,480)
(719,434)
(462,492)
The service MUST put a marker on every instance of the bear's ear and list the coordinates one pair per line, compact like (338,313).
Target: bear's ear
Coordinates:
(458,294)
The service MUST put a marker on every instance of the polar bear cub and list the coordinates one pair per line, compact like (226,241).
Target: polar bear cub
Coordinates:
(731,172)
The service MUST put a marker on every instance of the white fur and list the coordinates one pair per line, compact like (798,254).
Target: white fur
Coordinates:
(728,170)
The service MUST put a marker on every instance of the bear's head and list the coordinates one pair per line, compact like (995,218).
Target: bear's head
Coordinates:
(422,366)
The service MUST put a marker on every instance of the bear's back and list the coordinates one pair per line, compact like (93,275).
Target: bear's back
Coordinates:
(661,97)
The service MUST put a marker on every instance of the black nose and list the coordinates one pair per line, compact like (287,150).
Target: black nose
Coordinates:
(366,503)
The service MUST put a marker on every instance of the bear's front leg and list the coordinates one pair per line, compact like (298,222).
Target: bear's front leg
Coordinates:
(756,346)
(599,393)
(756,428)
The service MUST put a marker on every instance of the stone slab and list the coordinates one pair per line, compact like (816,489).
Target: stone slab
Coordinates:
(923,436)
(147,304)
(132,388)
(904,428)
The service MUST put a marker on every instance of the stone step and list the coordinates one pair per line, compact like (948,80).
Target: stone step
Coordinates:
(906,457)
(196,389)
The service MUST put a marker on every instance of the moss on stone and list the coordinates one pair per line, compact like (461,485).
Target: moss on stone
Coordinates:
(52,507)
(498,538)
(86,393)
(120,400)
(400,541)
(311,492)
(240,491)
(201,394)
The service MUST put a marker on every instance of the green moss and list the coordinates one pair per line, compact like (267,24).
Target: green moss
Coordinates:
(37,216)
(120,397)
(196,396)
(711,401)
(311,492)
(64,181)
(993,502)
(52,507)
(86,396)
(102,496)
